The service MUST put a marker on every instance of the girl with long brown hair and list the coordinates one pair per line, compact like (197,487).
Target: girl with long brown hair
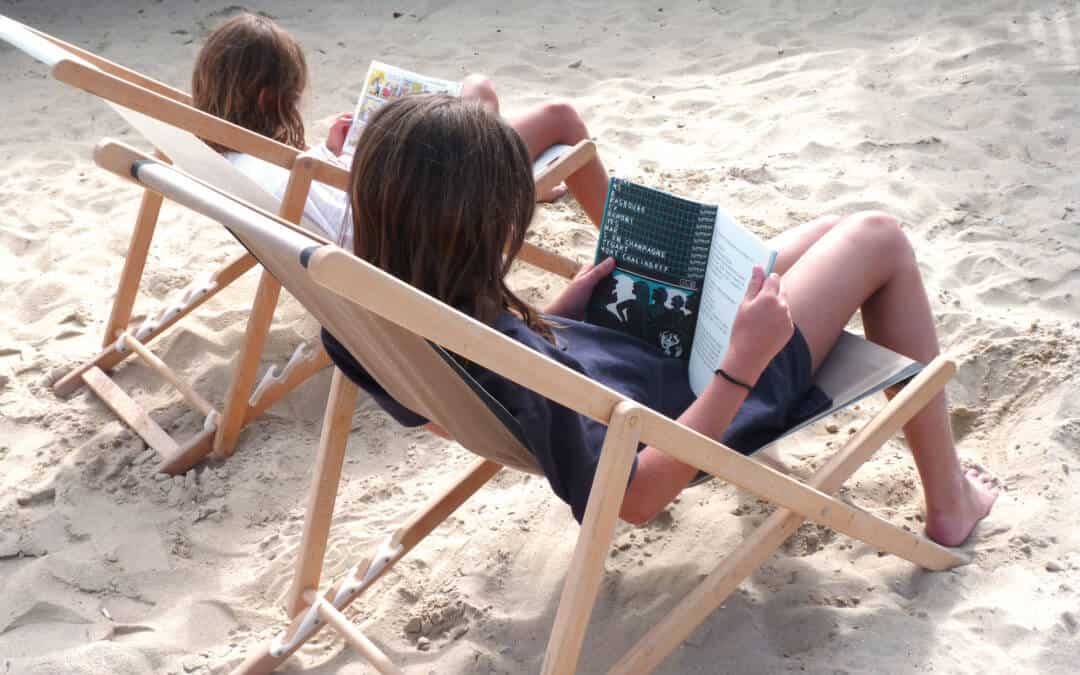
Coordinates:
(252,73)
(461,196)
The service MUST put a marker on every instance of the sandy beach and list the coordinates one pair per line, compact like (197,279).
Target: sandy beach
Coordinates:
(961,118)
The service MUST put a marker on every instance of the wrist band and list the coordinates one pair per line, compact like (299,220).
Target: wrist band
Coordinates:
(737,383)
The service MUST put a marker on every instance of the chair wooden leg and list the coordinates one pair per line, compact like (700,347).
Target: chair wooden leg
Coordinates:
(134,263)
(594,540)
(235,413)
(337,423)
(272,654)
(188,454)
(247,364)
(669,633)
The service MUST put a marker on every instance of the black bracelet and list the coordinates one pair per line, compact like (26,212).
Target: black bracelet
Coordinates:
(737,383)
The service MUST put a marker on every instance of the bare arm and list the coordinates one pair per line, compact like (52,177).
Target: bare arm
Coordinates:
(659,477)
(762,327)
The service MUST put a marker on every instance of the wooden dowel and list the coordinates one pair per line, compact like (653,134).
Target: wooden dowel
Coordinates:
(594,540)
(193,397)
(352,634)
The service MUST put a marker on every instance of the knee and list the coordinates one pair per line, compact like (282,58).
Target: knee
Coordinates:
(481,88)
(879,232)
(565,116)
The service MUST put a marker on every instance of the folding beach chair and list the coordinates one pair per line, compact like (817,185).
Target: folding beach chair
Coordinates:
(407,341)
(164,116)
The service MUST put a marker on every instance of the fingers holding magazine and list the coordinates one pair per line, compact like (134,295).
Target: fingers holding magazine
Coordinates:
(762,327)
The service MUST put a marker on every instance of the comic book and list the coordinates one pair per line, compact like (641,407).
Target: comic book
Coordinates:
(681,270)
(383,84)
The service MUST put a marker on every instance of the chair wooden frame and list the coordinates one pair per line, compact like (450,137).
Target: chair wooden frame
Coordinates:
(243,401)
(628,424)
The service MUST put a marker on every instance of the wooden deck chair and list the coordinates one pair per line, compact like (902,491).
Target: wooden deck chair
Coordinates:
(164,116)
(405,339)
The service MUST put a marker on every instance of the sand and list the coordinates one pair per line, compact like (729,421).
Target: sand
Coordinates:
(961,118)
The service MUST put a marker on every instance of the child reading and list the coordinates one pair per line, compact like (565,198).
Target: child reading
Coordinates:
(252,73)
(478,206)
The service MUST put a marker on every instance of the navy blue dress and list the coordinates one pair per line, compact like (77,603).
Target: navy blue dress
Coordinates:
(567,445)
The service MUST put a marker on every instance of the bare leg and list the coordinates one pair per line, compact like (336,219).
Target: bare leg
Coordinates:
(551,123)
(866,262)
(790,245)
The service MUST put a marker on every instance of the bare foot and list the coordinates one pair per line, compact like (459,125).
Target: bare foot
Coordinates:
(553,194)
(950,524)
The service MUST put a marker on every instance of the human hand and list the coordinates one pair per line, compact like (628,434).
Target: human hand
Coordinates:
(762,327)
(335,140)
(572,301)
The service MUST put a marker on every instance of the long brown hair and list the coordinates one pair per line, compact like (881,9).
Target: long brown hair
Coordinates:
(244,57)
(442,194)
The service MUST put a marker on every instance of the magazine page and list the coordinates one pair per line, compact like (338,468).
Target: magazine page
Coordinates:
(732,256)
(660,243)
(383,84)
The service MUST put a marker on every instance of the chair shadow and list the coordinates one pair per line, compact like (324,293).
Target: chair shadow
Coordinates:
(791,612)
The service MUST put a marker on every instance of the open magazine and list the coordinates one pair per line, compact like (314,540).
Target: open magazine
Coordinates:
(383,84)
(681,270)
